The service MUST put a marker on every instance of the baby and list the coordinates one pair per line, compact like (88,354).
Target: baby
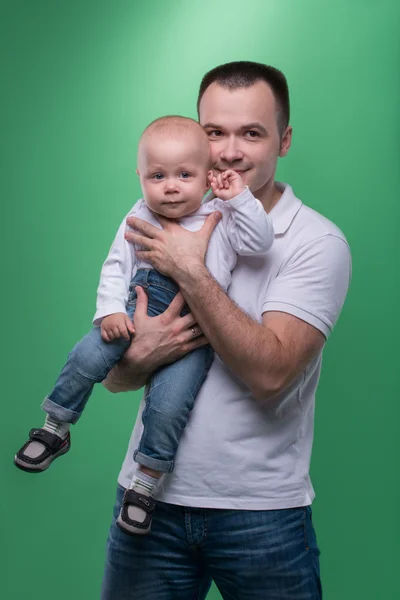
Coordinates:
(174,170)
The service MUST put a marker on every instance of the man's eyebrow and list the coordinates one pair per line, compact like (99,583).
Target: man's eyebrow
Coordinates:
(255,125)
(247,126)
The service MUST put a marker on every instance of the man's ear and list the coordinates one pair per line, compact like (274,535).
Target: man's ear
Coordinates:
(137,172)
(286,142)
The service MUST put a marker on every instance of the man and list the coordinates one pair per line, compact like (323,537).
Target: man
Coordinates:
(236,509)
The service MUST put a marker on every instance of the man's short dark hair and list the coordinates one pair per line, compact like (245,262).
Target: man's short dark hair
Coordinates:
(243,74)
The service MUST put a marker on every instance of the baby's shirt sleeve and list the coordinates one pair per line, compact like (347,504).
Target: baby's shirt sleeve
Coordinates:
(249,227)
(115,276)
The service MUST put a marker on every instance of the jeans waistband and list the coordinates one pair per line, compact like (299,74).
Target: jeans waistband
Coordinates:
(147,277)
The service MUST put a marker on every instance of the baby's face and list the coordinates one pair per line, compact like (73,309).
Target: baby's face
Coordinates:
(173,174)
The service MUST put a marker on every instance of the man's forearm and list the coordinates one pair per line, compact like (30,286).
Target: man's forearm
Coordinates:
(252,351)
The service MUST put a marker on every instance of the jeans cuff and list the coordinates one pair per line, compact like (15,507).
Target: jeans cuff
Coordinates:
(59,413)
(165,466)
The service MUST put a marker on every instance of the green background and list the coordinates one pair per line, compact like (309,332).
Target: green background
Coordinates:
(80,80)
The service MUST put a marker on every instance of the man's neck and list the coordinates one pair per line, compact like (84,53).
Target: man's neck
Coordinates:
(268,195)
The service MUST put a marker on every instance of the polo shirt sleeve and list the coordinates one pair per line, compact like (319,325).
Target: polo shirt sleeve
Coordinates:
(313,284)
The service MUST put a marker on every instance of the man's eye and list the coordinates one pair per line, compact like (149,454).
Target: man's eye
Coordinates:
(184,175)
(214,133)
(157,176)
(253,133)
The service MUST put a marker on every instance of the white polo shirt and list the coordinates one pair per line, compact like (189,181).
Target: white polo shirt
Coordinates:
(237,452)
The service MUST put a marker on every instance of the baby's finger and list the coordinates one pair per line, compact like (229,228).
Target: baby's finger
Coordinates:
(104,335)
(123,332)
(110,334)
(114,332)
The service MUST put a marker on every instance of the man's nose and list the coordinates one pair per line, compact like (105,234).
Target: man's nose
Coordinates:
(231,151)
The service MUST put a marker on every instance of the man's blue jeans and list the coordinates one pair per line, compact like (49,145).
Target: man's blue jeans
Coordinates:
(170,394)
(249,554)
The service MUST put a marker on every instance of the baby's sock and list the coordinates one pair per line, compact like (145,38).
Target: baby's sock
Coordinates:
(58,427)
(142,484)
(35,448)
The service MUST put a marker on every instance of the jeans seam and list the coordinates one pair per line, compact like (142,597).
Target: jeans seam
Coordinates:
(188,527)
(205,525)
(147,401)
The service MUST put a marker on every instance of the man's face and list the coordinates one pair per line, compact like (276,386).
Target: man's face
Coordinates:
(241,125)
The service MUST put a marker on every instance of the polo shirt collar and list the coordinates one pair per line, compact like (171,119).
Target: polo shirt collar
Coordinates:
(285,209)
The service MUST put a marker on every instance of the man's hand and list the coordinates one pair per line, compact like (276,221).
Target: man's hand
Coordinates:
(116,326)
(158,340)
(226,185)
(173,250)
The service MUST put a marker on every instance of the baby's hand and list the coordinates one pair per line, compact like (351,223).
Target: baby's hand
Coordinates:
(116,326)
(226,185)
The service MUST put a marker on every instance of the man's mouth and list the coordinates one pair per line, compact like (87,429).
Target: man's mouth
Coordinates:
(239,171)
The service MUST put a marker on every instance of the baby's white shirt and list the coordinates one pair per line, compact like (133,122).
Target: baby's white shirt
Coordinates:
(245,229)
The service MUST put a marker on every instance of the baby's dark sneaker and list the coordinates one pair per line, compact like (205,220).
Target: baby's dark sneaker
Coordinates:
(136,513)
(40,450)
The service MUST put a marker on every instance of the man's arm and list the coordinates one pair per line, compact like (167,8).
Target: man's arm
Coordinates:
(265,357)
(268,356)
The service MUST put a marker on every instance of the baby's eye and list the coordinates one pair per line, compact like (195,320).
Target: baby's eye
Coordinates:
(157,176)
(184,175)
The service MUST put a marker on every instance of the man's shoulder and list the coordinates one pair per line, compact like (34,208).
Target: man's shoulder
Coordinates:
(306,224)
(314,225)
